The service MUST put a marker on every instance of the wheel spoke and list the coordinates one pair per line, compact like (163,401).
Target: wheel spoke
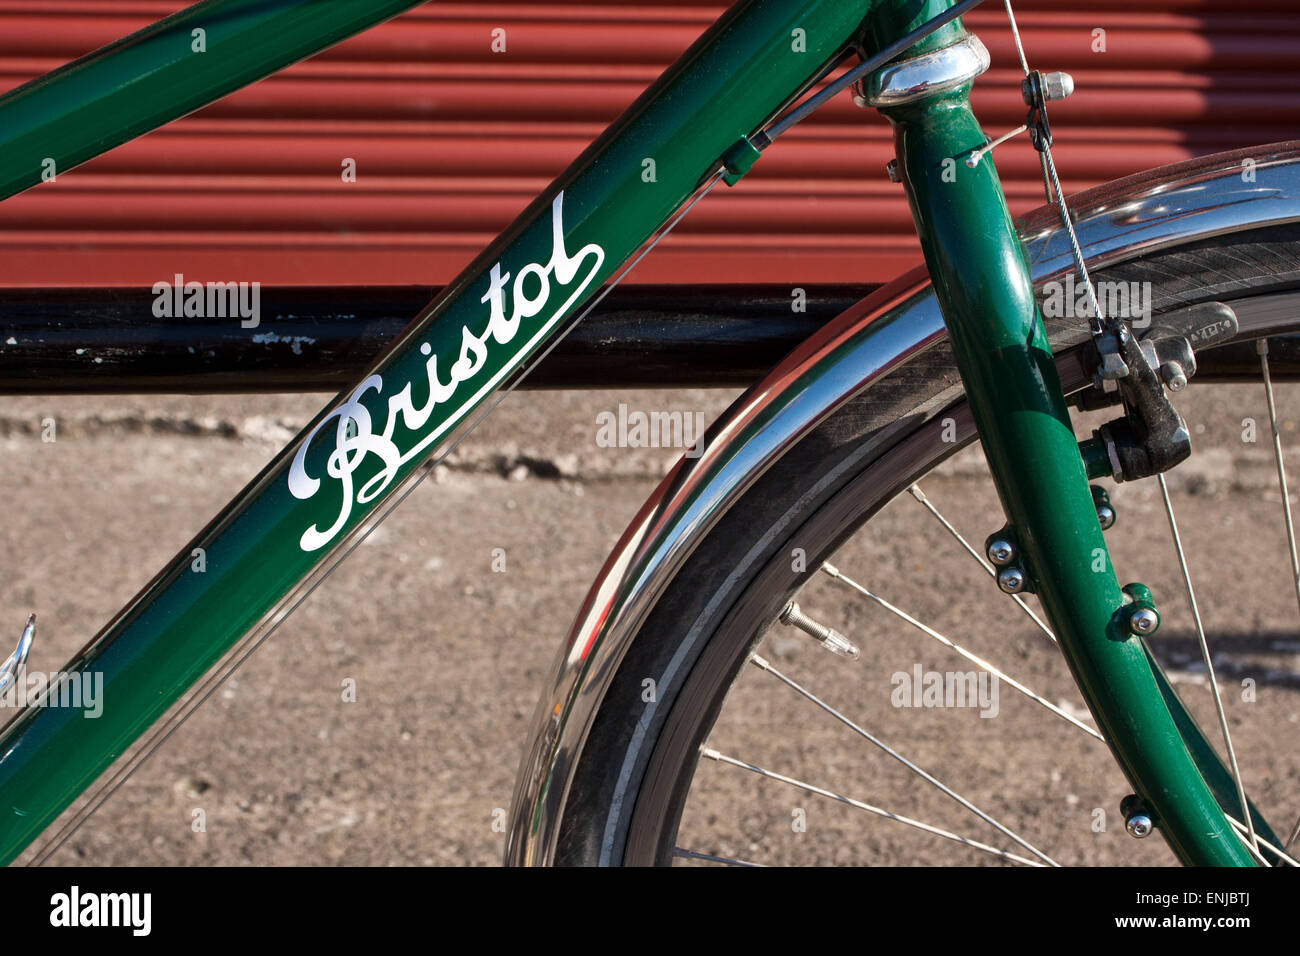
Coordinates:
(907,821)
(916,492)
(1262,347)
(1295,832)
(1209,665)
(930,632)
(762,664)
(1258,854)
(726,861)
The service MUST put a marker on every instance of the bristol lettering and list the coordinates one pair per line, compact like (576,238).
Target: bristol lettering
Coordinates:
(356,435)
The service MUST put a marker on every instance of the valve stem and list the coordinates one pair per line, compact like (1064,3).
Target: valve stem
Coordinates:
(828,637)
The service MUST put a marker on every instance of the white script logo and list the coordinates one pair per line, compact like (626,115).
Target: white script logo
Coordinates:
(354,436)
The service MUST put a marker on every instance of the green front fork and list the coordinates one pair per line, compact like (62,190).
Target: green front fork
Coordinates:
(983,286)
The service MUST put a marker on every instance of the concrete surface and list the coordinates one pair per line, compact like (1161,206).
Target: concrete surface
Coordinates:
(449,656)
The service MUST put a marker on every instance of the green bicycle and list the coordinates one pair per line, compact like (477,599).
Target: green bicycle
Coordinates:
(786,480)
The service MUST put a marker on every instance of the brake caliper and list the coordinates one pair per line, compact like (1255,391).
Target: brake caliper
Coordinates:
(1151,437)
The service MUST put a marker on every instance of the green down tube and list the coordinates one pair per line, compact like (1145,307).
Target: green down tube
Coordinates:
(482,329)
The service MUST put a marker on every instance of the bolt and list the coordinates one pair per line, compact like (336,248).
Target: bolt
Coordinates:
(1144,621)
(1106,517)
(1012,580)
(891,170)
(1057,86)
(1101,501)
(1139,825)
(1001,552)
(1174,376)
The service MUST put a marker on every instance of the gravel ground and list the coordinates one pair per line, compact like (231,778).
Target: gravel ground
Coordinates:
(448,656)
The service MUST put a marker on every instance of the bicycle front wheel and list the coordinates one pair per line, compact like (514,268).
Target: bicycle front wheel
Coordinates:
(761,747)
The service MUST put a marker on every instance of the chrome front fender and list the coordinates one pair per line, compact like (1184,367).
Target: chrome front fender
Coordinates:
(1225,193)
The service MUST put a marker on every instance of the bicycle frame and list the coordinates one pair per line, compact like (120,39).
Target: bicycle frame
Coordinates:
(314,501)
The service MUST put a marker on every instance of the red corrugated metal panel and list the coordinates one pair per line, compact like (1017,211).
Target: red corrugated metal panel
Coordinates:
(451,140)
